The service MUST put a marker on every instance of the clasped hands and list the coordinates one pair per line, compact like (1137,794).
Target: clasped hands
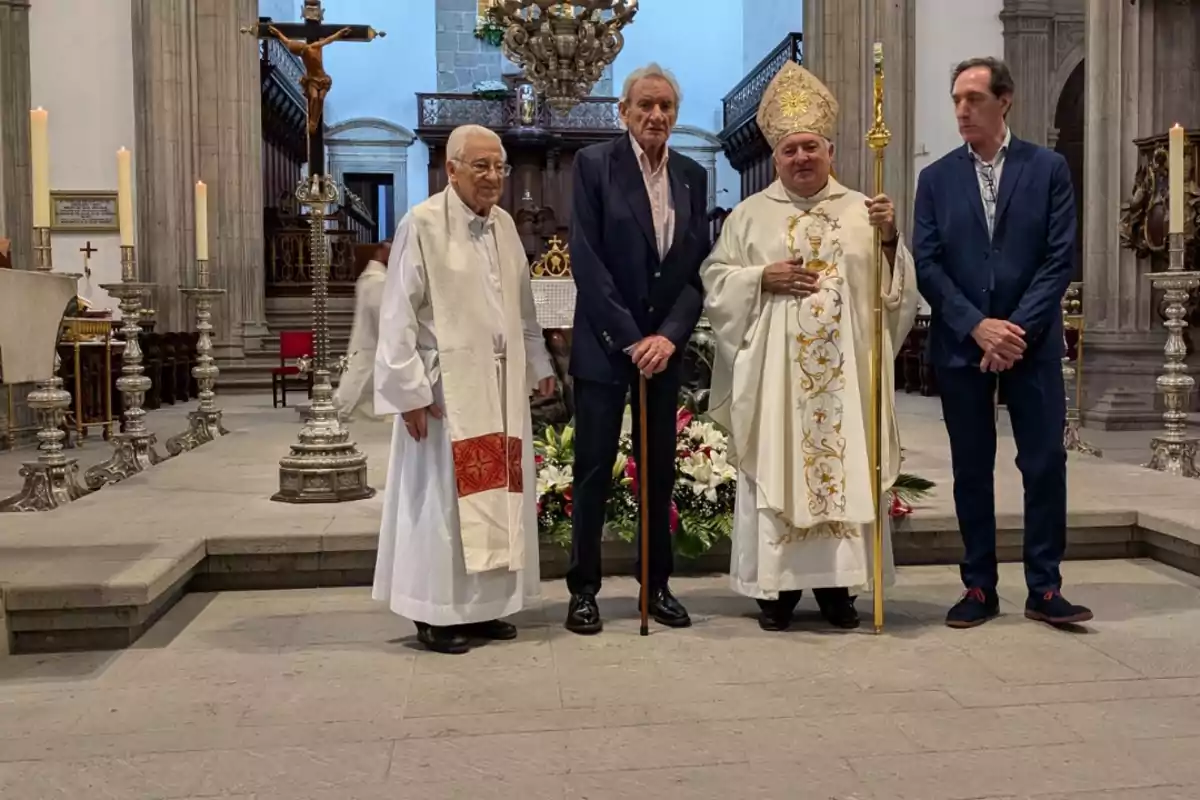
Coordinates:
(1002,342)
(416,422)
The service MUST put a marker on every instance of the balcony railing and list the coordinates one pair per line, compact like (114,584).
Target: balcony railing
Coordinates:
(441,111)
(285,67)
(742,102)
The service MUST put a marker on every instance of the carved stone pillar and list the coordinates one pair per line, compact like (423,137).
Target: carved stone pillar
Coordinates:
(838,40)
(16,201)
(1028,52)
(196,84)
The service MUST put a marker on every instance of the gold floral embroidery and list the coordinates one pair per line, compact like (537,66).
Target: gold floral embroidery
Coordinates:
(822,530)
(821,365)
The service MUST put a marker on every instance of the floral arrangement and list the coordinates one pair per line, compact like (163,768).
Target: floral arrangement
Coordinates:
(489,30)
(490,90)
(705,487)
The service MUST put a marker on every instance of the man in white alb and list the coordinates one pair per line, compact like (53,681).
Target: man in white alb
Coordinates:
(460,351)
(355,396)
(790,297)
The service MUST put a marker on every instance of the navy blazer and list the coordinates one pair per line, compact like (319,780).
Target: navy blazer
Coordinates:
(625,291)
(1019,275)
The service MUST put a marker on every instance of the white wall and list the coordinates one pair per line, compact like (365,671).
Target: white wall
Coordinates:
(81,72)
(700,41)
(948,31)
(381,78)
(765,23)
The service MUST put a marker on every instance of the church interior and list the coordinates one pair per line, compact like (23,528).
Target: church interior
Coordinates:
(188,526)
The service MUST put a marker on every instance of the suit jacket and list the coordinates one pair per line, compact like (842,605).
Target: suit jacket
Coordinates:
(625,291)
(1020,274)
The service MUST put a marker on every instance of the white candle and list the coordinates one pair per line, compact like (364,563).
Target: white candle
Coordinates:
(125,196)
(1175,179)
(39,153)
(201,221)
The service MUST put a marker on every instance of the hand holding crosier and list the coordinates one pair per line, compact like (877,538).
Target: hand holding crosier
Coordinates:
(882,214)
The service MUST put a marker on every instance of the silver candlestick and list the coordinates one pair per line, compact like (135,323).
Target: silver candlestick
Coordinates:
(133,449)
(1175,452)
(204,423)
(52,480)
(1072,439)
(324,466)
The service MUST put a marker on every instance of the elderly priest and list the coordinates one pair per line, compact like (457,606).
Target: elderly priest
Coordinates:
(790,298)
(459,352)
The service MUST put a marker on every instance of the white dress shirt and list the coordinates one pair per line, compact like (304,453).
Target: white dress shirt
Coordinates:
(988,173)
(658,188)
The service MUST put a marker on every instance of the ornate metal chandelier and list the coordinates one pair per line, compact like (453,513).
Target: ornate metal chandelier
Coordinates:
(564,47)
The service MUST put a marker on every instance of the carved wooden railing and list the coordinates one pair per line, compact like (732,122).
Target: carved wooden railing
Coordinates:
(289,261)
(442,112)
(741,103)
(284,109)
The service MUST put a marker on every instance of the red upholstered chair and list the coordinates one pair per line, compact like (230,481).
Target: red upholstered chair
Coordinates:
(292,345)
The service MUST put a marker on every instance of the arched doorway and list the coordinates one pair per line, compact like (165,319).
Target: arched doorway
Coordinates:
(1068,121)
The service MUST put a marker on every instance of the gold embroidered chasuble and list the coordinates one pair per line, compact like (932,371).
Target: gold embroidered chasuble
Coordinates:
(791,384)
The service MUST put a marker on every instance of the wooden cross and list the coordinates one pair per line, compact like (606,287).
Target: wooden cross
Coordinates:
(87,251)
(307,40)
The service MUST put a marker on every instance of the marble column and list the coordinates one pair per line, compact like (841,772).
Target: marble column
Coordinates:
(197,84)
(1028,52)
(838,40)
(16,201)
(1128,98)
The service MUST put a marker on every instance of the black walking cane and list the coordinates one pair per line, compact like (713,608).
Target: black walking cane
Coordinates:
(643,504)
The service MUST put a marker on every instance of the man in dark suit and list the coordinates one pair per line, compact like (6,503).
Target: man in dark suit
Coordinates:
(639,231)
(994,240)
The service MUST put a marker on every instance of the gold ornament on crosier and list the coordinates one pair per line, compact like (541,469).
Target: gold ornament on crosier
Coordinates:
(795,101)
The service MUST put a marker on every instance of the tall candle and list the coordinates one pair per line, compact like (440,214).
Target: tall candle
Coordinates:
(1175,178)
(39,153)
(201,221)
(125,196)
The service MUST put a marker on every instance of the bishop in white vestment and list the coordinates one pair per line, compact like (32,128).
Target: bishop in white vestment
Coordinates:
(790,296)
(355,396)
(460,351)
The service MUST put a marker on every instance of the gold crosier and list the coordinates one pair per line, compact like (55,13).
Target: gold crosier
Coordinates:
(877,139)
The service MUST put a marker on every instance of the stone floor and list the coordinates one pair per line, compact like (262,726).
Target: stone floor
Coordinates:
(321,695)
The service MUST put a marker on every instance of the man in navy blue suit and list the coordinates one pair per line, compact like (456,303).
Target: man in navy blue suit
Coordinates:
(994,241)
(639,230)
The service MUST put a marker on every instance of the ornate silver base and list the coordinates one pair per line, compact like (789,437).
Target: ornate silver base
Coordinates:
(131,455)
(1074,442)
(203,426)
(324,466)
(1174,457)
(47,486)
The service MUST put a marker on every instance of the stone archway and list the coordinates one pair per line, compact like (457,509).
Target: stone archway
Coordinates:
(371,145)
(1043,42)
(1067,140)
(703,147)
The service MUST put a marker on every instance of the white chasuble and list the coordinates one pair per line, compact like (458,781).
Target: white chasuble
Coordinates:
(458,328)
(791,384)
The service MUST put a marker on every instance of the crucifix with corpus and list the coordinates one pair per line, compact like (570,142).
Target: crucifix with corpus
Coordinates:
(308,40)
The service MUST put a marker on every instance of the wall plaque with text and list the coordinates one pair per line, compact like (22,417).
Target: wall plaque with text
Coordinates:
(84,212)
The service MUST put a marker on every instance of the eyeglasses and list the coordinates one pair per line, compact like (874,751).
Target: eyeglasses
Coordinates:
(482,168)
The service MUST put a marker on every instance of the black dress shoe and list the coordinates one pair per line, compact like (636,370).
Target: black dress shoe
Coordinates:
(777,614)
(583,615)
(666,610)
(1052,608)
(976,607)
(496,630)
(442,640)
(837,607)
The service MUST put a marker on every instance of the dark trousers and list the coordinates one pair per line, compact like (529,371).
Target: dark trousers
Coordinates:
(1033,392)
(599,409)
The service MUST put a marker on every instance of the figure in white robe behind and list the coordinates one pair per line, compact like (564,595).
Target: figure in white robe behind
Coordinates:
(355,398)
(790,296)
(460,351)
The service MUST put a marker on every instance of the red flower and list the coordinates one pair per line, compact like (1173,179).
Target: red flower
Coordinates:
(537,459)
(539,506)
(899,508)
(631,472)
(674,517)
(566,494)
(683,418)
(567,509)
